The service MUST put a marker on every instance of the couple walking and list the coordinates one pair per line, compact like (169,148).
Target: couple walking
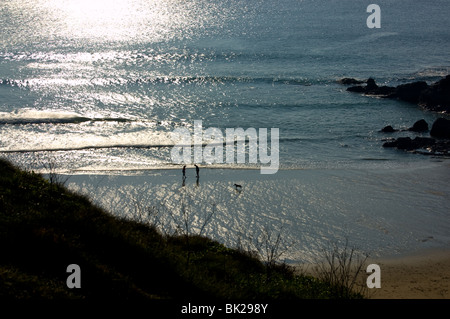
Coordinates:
(197,170)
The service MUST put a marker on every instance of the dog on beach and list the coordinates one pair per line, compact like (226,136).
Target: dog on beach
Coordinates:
(238,187)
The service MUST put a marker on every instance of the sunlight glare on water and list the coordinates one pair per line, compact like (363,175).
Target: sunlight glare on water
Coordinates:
(124,20)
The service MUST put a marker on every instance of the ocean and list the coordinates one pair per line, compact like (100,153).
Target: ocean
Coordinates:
(94,89)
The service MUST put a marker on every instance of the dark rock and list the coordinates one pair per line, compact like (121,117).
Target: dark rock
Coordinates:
(419,126)
(372,89)
(410,92)
(426,145)
(437,96)
(406,143)
(371,85)
(401,142)
(350,81)
(441,128)
(388,129)
(357,89)
(423,142)
(385,91)
(390,144)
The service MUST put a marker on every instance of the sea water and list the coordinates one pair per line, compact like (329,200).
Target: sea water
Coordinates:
(98,86)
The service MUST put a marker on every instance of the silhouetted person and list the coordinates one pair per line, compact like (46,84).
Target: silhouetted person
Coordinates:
(197,170)
(184,176)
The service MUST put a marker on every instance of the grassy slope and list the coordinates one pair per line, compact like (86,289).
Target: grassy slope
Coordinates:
(45,227)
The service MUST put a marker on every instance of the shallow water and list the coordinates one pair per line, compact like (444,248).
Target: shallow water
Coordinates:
(95,85)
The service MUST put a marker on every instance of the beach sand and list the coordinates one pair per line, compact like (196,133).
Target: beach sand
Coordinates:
(423,275)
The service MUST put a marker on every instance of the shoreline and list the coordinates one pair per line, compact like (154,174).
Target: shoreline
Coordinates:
(431,162)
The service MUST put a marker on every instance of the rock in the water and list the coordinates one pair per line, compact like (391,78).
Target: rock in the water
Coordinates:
(425,145)
(402,143)
(419,126)
(384,91)
(410,92)
(406,143)
(434,97)
(437,96)
(441,128)
(423,142)
(372,89)
(371,85)
(388,129)
(357,89)
(349,81)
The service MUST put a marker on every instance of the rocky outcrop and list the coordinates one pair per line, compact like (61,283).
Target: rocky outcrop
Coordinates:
(437,144)
(434,97)
(371,88)
(410,92)
(430,147)
(350,81)
(421,145)
(437,96)
(406,143)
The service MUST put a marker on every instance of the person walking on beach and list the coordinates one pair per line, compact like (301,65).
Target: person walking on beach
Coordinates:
(197,170)
(184,171)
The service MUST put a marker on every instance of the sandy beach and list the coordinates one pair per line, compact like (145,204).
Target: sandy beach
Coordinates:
(423,275)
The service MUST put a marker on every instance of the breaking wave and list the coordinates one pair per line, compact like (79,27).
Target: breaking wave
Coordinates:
(28,116)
